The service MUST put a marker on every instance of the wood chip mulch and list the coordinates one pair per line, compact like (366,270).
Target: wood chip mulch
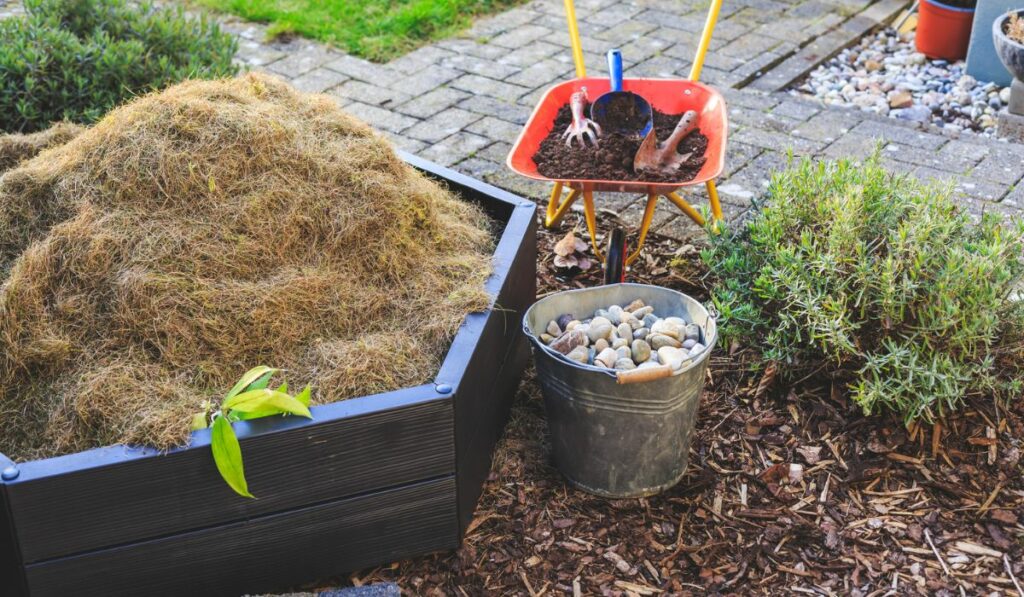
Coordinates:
(790,490)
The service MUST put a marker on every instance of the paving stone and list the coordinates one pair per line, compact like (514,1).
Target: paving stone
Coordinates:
(302,61)
(613,15)
(442,125)
(419,59)
(478,167)
(318,80)
(363,70)
(257,54)
(987,191)
(455,148)
(892,131)
(534,190)
(432,102)
(643,48)
(521,36)
(542,74)
(962,149)
(488,67)
(424,81)
(749,46)
(472,47)
(531,54)
(495,152)
(374,590)
(495,129)
(491,87)
(925,157)
(739,155)
(751,181)
(370,94)
(625,32)
(796,109)
(853,146)
(777,141)
(751,99)
(660,67)
(413,146)
(500,109)
(828,125)
(719,78)
(1001,166)
(379,117)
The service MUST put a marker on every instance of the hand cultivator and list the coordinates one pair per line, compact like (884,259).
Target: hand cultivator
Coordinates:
(625,106)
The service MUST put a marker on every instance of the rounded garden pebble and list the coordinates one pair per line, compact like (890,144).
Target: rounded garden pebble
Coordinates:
(580,354)
(598,331)
(601,344)
(658,341)
(568,341)
(673,357)
(689,343)
(553,329)
(625,364)
(641,350)
(619,343)
(564,320)
(641,333)
(624,330)
(606,358)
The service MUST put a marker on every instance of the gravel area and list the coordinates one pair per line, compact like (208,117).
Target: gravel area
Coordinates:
(884,73)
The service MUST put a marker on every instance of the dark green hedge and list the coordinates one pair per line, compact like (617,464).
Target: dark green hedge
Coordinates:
(76,59)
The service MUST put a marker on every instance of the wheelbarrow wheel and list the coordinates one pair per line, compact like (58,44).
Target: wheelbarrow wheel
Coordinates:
(615,258)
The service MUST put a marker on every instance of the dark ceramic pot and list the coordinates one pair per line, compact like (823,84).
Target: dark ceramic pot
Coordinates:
(1010,52)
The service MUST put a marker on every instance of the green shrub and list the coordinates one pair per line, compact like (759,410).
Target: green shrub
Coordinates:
(877,279)
(76,59)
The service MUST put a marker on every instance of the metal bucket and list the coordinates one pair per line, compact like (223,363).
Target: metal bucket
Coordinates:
(611,439)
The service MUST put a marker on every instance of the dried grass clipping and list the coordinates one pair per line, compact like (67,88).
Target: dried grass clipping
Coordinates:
(200,231)
(16,148)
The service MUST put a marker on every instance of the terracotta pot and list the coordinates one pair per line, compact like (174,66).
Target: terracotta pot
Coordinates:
(943,31)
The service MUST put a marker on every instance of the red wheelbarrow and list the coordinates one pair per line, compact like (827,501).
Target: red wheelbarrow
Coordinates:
(671,96)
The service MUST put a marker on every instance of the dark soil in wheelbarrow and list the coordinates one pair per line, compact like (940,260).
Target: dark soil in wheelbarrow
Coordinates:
(612,159)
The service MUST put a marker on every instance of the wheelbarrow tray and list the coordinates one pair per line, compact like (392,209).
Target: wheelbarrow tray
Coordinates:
(369,480)
(671,96)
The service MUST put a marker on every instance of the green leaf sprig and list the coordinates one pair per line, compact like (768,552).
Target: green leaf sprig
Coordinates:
(248,399)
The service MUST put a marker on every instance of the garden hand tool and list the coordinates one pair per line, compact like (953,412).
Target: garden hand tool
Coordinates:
(664,157)
(621,111)
(581,127)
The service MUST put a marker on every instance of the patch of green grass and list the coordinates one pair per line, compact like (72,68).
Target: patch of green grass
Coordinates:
(378,30)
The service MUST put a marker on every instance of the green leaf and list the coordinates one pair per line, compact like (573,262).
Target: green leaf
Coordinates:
(250,377)
(227,454)
(198,421)
(262,382)
(267,400)
(303,396)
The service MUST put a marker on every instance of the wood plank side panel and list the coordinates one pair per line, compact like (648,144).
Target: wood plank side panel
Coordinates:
(271,553)
(152,497)
(492,376)
(12,578)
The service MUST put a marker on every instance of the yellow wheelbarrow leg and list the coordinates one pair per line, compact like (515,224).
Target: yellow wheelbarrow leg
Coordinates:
(645,225)
(591,217)
(686,207)
(716,207)
(558,208)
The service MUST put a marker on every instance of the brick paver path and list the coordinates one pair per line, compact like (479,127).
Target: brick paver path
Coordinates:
(462,102)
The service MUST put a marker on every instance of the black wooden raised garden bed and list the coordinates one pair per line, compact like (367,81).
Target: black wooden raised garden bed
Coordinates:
(369,480)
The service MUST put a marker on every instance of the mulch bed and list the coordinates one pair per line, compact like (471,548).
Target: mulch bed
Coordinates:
(790,490)
(612,159)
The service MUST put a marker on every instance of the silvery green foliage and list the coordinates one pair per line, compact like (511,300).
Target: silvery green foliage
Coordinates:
(880,279)
(76,59)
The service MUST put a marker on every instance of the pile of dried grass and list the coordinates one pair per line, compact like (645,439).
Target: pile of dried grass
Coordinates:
(200,231)
(16,148)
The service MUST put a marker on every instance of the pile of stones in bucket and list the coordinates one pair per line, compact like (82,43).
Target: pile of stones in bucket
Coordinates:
(630,337)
